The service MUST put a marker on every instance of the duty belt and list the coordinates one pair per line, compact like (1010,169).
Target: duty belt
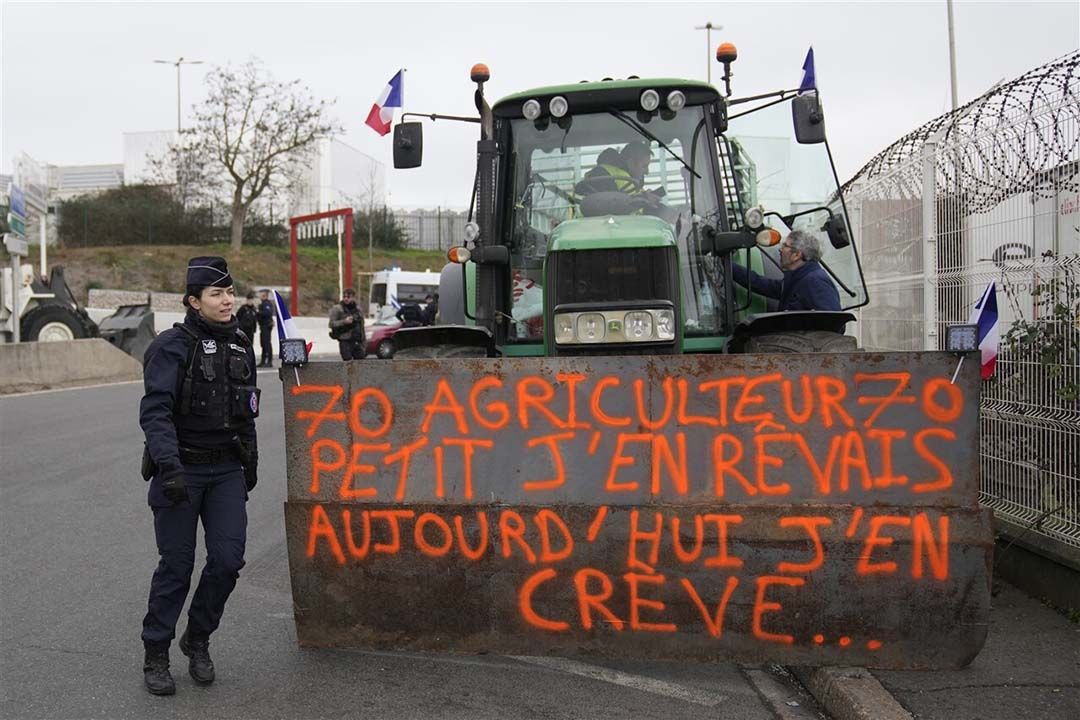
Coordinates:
(193,456)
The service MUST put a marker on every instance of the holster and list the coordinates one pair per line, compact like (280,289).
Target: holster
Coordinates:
(149,467)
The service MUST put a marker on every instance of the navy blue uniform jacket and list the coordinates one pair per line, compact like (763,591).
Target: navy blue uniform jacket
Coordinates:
(163,371)
(807,288)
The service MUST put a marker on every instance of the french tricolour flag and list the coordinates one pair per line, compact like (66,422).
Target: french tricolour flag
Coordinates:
(809,79)
(286,326)
(985,315)
(382,111)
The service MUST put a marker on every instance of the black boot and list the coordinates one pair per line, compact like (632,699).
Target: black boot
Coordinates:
(200,665)
(156,675)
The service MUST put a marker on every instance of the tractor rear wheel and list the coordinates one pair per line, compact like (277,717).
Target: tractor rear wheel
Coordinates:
(801,341)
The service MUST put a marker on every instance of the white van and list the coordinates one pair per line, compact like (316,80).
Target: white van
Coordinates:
(390,289)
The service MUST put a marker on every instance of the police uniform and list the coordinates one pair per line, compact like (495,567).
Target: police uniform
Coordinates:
(265,315)
(198,415)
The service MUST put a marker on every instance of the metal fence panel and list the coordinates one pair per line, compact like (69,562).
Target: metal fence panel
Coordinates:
(1000,202)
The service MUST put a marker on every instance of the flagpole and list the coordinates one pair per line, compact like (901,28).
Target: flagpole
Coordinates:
(957,373)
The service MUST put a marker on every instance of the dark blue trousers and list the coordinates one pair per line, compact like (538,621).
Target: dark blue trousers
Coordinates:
(218,496)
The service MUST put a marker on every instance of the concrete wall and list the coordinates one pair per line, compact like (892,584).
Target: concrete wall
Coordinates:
(42,366)
(313,329)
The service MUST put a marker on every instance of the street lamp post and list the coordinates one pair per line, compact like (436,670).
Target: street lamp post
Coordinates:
(177,63)
(708,28)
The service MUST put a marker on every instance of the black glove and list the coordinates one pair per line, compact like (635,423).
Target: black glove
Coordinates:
(173,486)
(251,476)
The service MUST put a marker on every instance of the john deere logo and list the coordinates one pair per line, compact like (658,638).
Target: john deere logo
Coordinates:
(614,326)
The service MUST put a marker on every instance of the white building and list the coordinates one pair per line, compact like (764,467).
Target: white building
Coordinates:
(139,149)
(338,176)
(69,181)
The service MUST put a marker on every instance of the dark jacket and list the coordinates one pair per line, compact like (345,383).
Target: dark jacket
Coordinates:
(266,314)
(410,315)
(806,288)
(230,400)
(247,316)
(353,331)
(609,175)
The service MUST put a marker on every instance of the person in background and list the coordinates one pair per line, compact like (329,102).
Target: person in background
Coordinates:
(410,315)
(805,285)
(347,327)
(248,317)
(431,309)
(266,328)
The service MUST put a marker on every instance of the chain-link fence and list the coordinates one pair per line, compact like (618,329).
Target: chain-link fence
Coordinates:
(991,192)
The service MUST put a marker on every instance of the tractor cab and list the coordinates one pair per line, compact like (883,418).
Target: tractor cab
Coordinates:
(610,215)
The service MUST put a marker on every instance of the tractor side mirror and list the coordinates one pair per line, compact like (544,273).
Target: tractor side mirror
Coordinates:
(408,145)
(838,232)
(491,255)
(808,118)
(714,242)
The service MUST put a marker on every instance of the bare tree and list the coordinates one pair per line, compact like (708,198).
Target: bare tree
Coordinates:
(182,167)
(256,130)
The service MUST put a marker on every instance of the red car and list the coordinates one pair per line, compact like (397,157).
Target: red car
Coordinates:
(380,341)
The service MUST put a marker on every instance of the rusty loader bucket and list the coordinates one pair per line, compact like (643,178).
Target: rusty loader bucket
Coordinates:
(803,509)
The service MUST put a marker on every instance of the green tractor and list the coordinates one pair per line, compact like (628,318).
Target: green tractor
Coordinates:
(557,262)
(611,446)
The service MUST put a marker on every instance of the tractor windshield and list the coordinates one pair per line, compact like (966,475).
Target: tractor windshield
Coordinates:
(796,186)
(617,164)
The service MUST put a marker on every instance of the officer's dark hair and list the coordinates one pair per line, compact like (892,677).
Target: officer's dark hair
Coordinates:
(193,291)
(251,295)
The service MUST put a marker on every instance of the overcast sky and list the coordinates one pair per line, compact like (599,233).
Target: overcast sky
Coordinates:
(75,76)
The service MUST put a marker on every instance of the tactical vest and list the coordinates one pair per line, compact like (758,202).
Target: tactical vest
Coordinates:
(218,392)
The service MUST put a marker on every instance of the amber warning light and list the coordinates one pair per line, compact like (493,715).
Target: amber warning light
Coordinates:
(480,73)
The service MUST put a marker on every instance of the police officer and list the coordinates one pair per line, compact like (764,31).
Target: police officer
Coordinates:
(201,457)
(248,316)
(410,315)
(266,327)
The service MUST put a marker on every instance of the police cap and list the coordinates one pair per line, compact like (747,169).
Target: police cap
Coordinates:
(208,271)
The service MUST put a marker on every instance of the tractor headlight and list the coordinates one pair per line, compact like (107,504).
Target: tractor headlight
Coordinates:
(665,324)
(472,231)
(638,326)
(590,328)
(564,328)
(558,106)
(615,326)
(650,100)
(531,109)
(676,100)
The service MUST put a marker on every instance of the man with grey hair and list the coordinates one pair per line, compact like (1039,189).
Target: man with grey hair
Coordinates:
(805,285)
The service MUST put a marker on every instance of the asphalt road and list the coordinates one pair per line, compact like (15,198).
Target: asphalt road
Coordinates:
(77,553)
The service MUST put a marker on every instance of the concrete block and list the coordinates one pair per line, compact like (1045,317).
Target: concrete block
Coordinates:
(108,298)
(25,367)
(167,302)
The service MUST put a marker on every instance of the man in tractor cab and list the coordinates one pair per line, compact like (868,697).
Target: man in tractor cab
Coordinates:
(805,285)
(621,171)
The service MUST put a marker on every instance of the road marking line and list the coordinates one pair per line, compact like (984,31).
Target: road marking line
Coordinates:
(616,677)
(74,387)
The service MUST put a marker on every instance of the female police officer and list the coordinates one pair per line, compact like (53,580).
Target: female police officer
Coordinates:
(198,415)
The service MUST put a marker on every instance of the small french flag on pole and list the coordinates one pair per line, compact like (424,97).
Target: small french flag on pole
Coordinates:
(985,316)
(286,326)
(809,79)
(391,98)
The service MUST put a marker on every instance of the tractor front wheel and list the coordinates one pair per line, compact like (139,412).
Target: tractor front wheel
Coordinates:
(51,323)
